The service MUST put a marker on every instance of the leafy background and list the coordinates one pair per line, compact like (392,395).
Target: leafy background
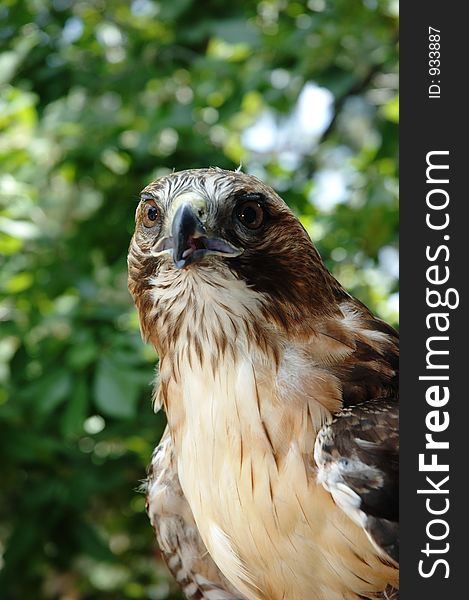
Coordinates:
(97,99)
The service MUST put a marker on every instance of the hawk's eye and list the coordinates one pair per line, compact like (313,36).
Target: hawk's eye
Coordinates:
(251,214)
(151,213)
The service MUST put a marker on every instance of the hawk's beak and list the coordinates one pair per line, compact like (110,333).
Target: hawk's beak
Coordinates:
(189,239)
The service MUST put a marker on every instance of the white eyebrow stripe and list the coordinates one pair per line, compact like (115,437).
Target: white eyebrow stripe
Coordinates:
(213,185)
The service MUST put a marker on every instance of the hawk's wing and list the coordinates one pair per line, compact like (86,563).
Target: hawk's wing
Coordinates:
(357,459)
(178,537)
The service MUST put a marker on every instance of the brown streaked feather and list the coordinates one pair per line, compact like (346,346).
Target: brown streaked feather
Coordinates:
(178,537)
(371,369)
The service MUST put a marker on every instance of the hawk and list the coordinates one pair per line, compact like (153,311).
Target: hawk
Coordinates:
(277,477)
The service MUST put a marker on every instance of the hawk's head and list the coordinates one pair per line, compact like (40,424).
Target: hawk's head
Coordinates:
(210,220)
(217,257)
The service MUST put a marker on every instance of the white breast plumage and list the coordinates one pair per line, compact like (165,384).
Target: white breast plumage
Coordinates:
(250,502)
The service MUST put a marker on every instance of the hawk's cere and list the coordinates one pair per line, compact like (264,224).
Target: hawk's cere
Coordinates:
(277,477)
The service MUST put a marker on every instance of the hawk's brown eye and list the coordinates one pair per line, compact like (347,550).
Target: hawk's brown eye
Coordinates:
(151,213)
(251,214)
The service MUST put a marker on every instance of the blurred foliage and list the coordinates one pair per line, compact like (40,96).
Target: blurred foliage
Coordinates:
(97,99)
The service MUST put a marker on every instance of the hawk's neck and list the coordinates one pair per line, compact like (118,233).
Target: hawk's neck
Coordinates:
(208,317)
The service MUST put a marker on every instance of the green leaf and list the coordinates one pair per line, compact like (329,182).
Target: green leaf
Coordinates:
(53,390)
(19,283)
(82,354)
(391,110)
(171,10)
(76,409)
(236,31)
(115,389)
(92,543)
